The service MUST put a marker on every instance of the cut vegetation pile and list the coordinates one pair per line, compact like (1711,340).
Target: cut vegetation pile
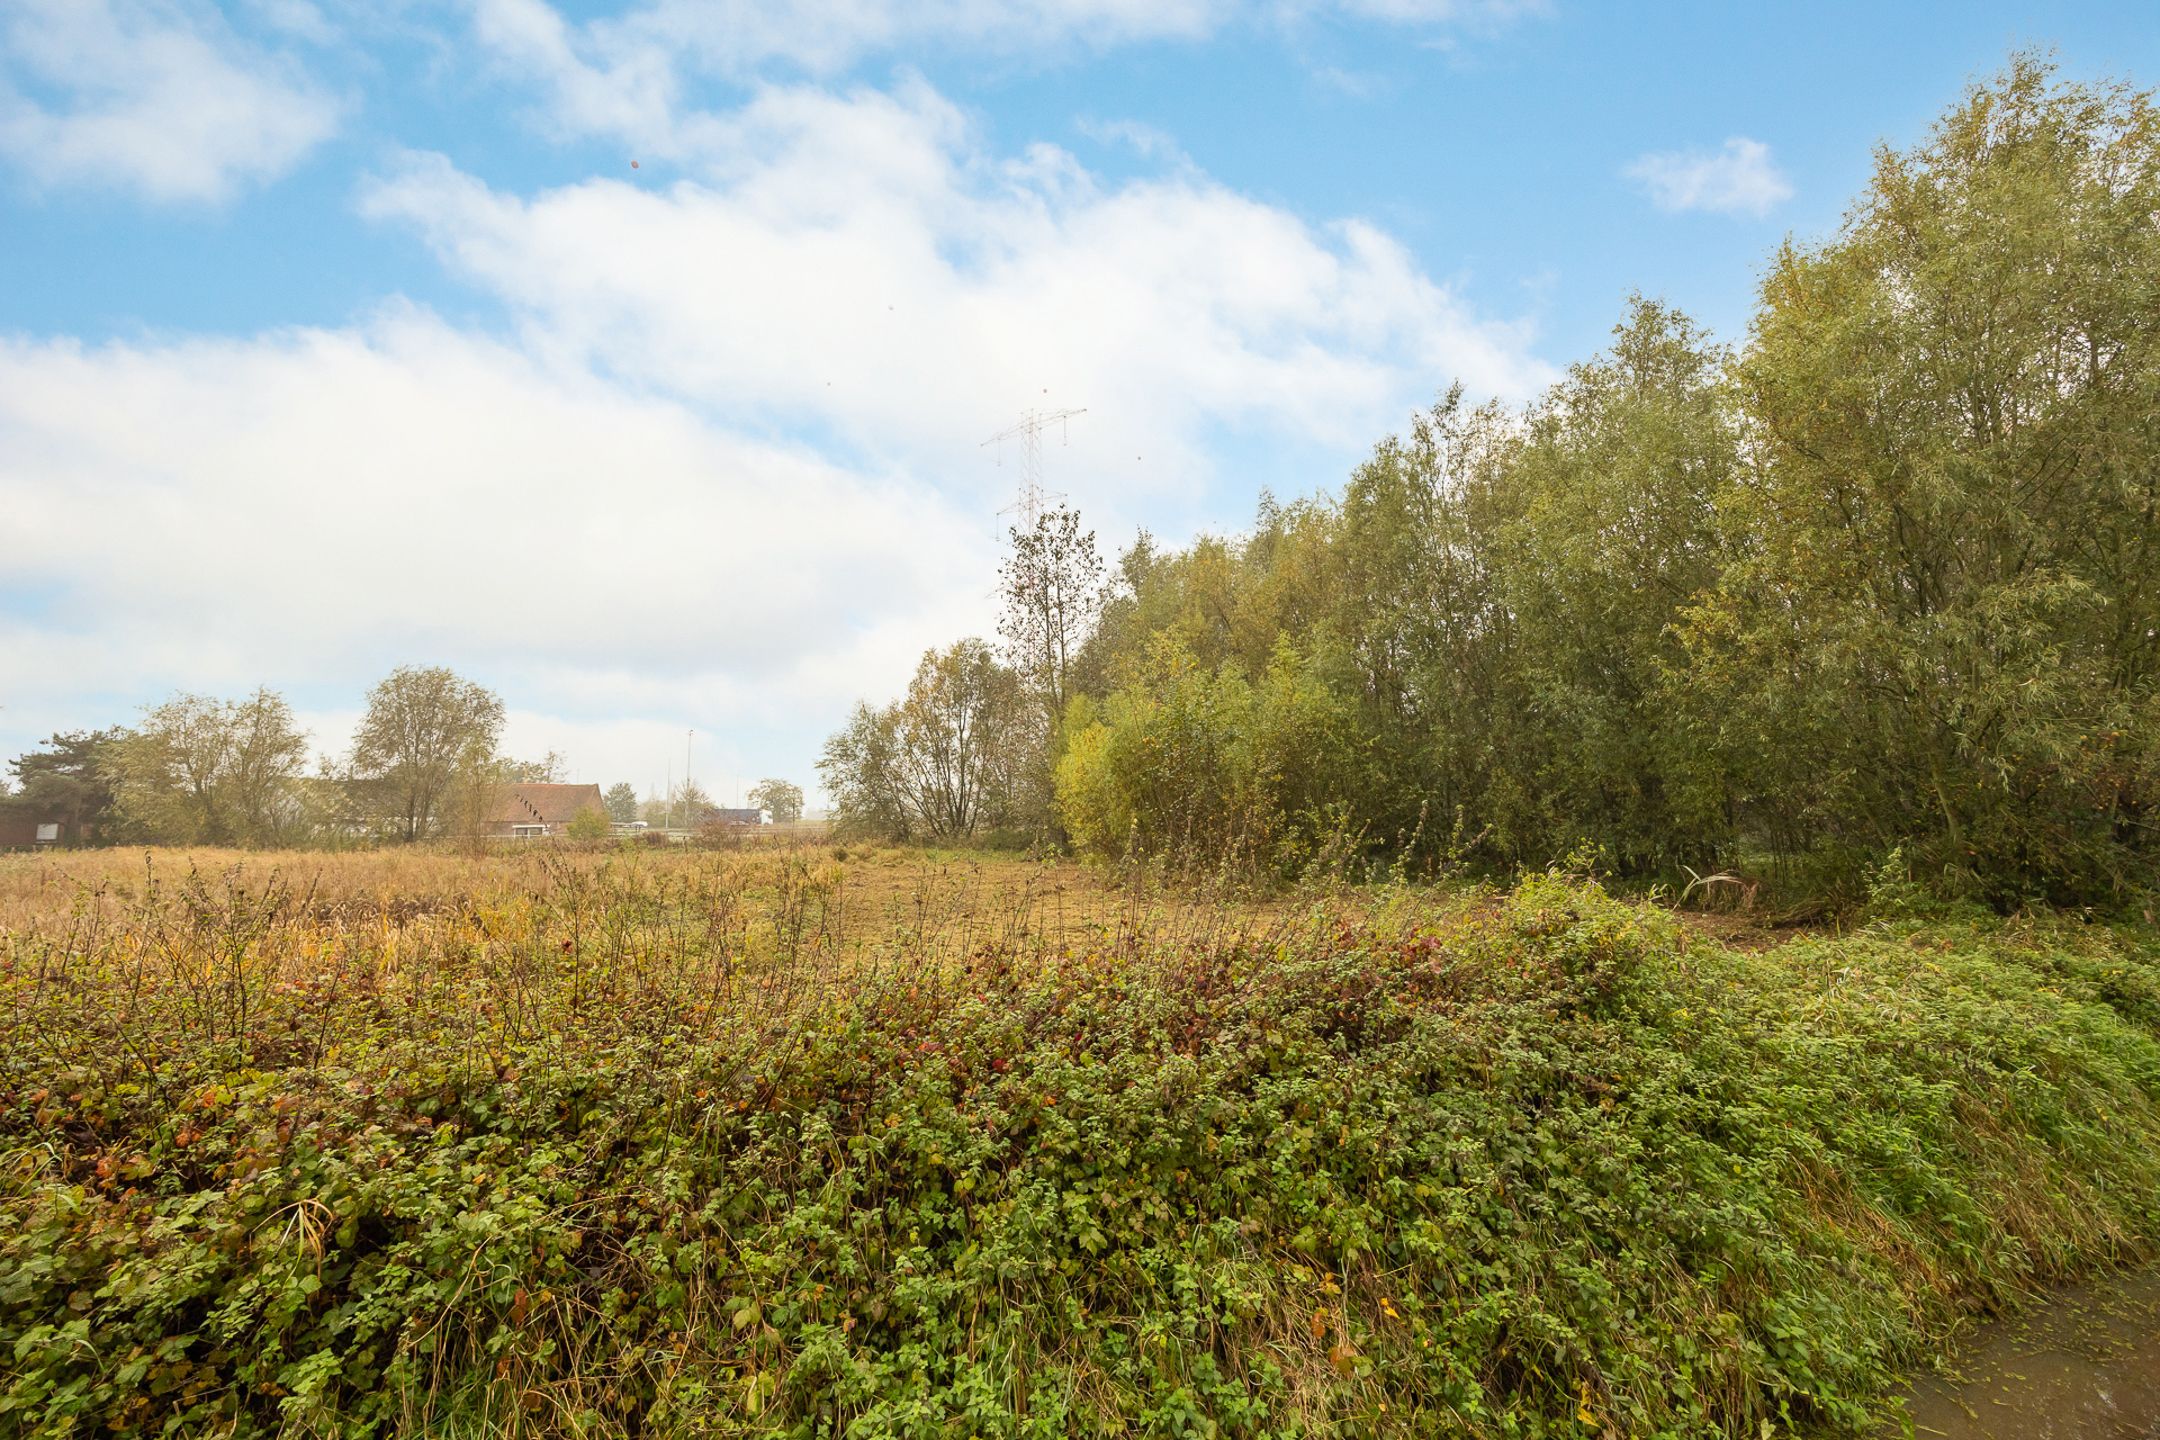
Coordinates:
(600,1150)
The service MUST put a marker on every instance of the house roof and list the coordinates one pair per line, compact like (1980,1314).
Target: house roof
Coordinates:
(543,804)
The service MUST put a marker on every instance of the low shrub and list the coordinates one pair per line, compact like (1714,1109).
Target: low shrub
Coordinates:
(1535,1163)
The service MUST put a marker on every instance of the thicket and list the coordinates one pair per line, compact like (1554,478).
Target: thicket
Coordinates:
(617,1152)
(1885,579)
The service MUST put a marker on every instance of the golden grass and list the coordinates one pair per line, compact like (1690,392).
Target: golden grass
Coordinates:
(939,900)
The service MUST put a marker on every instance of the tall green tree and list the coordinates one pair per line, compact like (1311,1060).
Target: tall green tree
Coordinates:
(948,761)
(426,730)
(860,768)
(1886,580)
(1945,631)
(1602,530)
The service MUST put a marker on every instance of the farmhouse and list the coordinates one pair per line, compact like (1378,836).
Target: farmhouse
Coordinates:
(531,812)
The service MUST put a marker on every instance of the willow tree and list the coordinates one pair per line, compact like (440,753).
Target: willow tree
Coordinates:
(1946,630)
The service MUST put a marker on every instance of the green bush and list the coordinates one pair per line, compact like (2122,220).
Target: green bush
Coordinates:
(1536,1164)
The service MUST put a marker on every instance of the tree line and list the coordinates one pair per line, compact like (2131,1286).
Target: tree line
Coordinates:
(425,761)
(1880,585)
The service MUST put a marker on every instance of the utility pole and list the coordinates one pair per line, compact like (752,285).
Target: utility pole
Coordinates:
(686,777)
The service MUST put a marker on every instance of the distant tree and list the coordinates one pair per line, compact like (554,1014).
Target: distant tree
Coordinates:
(943,763)
(622,802)
(268,757)
(69,778)
(1051,584)
(426,729)
(783,798)
(861,771)
(547,770)
(167,773)
(589,824)
(690,804)
(200,770)
(687,805)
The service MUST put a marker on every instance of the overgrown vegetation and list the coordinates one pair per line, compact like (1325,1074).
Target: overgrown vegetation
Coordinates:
(1883,578)
(892,1144)
(801,1145)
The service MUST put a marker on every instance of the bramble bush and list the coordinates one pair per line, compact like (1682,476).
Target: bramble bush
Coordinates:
(615,1154)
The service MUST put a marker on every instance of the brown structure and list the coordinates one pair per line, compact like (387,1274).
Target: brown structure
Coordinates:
(21,831)
(533,812)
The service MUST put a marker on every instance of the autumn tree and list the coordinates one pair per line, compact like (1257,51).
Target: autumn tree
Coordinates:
(1051,587)
(549,769)
(945,762)
(425,730)
(689,806)
(269,753)
(860,768)
(781,797)
(199,770)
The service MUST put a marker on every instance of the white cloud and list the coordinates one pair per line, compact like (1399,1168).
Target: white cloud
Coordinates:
(301,19)
(307,509)
(636,52)
(591,512)
(150,96)
(1149,142)
(1739,179)
(742,37)
(859,264)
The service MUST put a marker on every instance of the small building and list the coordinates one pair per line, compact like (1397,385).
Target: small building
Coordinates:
(534,812)
(31,830)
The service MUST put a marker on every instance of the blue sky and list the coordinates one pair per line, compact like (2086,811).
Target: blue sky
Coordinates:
(340,335)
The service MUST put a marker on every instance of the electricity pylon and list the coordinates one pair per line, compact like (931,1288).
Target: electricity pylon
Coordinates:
(1029,432)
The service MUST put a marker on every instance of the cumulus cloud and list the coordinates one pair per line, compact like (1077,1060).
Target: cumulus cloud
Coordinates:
(857,263)
(157,98)
(309,508)
(1740,179)
(721,466)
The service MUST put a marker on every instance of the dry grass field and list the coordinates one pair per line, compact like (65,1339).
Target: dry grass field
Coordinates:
(814,899)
